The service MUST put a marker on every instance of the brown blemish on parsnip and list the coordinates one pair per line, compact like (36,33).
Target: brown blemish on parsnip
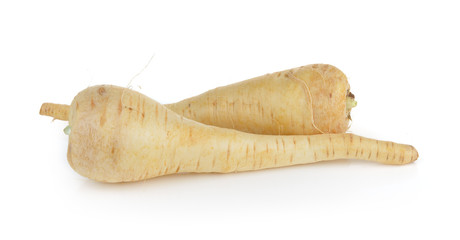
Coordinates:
(228,151)
(247,152)
(102,120)
(101,91)
(120,107)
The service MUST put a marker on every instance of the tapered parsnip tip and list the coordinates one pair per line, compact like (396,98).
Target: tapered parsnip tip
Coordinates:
(56,111)
(408,154)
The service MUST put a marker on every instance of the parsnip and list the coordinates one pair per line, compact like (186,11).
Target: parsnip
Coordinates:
(307,100)
(119,135)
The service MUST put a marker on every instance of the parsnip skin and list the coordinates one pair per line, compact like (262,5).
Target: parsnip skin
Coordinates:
(57,111)
(119,135)
(300,101)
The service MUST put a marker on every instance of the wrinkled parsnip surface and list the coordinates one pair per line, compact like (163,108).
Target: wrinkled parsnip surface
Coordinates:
(119,135)
(306,100)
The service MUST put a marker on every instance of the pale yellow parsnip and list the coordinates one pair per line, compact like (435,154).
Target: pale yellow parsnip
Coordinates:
(119,135)
(310,99)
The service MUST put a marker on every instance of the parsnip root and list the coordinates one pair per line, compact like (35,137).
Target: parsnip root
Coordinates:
(306,100)
(119,135)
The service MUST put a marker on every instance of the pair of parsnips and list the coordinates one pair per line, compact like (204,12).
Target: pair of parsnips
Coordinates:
(285,118)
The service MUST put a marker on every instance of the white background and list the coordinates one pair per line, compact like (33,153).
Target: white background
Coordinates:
(402,60)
